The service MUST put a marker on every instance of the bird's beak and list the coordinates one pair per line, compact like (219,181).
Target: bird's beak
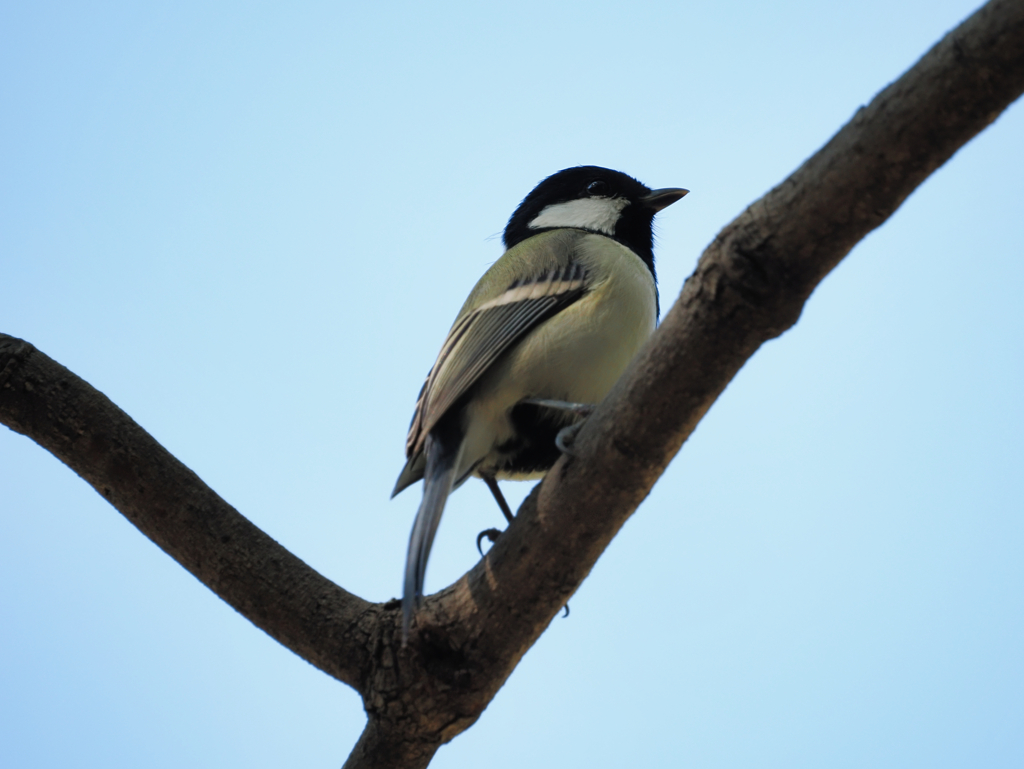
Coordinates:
(656,200)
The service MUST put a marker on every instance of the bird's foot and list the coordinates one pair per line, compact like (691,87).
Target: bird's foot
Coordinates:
(566,437)
(491,535)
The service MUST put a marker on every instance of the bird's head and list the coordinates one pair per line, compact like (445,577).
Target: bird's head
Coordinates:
(597,200)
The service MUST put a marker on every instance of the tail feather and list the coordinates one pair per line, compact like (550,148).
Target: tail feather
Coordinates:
(442,462)
(412,472)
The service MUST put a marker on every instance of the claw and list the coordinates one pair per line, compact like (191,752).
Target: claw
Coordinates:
(565,438)
(489,534)
(566,611)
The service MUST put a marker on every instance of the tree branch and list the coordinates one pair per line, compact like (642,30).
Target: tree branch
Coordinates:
(749,286)
(173,507)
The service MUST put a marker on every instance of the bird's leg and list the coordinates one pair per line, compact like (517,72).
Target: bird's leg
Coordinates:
(492,484)
(567,434)
(492,534)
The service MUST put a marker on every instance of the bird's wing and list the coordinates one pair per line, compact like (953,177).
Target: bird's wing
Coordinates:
(506,308)
(477,341)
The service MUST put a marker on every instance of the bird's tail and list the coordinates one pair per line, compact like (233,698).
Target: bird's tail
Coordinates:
(442,461)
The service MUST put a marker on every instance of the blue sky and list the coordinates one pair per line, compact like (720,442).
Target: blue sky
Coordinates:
(250,225)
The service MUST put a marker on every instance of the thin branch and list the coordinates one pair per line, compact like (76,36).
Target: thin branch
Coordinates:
(173,507)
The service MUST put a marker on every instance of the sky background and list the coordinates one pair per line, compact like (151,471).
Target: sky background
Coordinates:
(251,225)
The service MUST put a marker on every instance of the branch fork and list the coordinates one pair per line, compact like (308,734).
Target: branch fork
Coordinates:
(749,286)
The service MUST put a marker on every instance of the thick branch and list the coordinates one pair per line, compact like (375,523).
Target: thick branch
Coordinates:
(750,286)
(380,746)
(171,505)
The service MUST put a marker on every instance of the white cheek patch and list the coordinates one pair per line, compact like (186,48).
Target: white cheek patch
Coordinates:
(598,214)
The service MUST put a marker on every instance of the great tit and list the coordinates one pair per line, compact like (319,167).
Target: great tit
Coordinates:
(548,329)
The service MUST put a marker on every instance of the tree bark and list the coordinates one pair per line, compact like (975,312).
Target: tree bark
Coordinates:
(173,507)
(749,286)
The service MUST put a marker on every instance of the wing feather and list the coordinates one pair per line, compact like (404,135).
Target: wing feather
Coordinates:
(480,337)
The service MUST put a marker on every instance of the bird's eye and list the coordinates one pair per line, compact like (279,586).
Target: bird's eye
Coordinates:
(597,188)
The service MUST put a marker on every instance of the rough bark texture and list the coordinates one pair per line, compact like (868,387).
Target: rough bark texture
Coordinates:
(750,286)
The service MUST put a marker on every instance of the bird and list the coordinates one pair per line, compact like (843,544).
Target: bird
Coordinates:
(540,340)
